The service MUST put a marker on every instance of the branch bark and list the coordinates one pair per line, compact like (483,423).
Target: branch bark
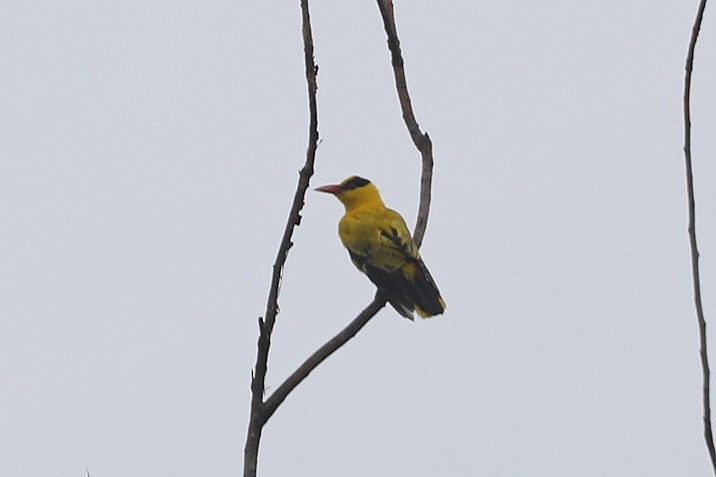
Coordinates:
(421,140)
(695,274)
(332,345)
(258,415)
(261,411)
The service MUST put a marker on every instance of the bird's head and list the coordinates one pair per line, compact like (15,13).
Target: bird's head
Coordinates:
(353,192)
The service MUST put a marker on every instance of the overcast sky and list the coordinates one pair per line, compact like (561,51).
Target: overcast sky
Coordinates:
(149,154)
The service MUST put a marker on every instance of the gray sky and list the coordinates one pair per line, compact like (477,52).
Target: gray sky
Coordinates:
(149,156)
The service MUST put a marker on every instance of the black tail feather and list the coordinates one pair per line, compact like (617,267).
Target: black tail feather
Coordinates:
(407,295)
(398,303)
(425,294)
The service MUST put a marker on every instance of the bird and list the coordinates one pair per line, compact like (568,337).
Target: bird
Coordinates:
(381,246)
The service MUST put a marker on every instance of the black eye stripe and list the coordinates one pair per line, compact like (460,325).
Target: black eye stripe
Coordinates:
(354,183)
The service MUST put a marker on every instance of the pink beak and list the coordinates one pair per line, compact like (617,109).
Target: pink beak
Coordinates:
(330,189)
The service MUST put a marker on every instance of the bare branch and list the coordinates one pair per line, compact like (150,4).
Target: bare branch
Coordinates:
(424,145)
(421,140)
(321,354)
(703,351)
(261,411)
(258,415)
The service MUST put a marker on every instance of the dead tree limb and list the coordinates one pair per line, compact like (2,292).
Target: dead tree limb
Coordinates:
(262,410)
(258,415)
(421,140)
(695,275)
(332,345)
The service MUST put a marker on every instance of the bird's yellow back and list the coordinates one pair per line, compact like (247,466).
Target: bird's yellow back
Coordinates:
(372,233)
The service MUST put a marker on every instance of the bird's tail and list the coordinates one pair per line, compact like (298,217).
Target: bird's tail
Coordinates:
(398,302)
(425,294)
(413,289)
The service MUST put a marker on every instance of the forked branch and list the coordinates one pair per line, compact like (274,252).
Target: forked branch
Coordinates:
(258,415)
(424,145)
(262,410)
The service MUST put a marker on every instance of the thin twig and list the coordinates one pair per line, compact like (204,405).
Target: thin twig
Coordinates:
(695,275)
(258,415)
(332,345)
(421,140)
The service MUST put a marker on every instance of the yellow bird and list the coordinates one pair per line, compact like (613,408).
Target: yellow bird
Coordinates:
(380,245)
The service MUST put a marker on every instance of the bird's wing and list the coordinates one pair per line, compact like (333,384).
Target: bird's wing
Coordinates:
(395,239)
(378,239)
